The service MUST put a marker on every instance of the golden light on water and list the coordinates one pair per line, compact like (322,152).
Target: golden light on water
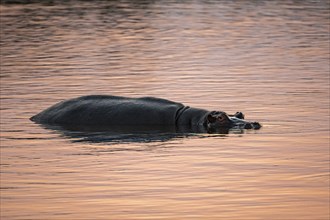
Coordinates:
(270,63)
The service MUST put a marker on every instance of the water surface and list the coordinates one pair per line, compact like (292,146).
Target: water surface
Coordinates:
(268,59)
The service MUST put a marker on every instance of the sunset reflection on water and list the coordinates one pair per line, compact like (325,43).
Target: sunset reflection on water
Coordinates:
(267,59)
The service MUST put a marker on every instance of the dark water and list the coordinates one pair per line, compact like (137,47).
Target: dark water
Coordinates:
(268,59)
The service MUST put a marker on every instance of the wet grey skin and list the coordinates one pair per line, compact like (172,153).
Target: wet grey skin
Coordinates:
(107,111)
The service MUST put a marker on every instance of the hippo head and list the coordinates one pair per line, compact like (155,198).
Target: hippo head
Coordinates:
(218,121)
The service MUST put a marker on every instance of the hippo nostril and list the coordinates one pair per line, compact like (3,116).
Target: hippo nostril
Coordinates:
(248,126)
(256,125)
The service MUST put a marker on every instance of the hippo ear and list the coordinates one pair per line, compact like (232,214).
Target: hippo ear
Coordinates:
(239,115)
(211,117)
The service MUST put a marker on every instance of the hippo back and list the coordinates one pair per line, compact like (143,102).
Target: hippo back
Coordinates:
(111,110)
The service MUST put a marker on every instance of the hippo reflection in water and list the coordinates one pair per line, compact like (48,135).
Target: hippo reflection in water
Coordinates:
(111,111)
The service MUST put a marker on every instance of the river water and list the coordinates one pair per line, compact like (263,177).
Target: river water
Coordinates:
(268,59)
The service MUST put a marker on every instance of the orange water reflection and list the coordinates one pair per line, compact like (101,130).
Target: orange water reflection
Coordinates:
(266,59)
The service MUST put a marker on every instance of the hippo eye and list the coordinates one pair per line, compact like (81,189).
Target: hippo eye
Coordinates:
(222,118)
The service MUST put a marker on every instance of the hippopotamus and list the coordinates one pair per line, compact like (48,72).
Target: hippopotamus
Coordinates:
(107,110)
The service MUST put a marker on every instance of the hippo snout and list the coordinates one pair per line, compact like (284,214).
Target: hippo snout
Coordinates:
(243,124)
(248,126)
(256,125)
(252,125)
